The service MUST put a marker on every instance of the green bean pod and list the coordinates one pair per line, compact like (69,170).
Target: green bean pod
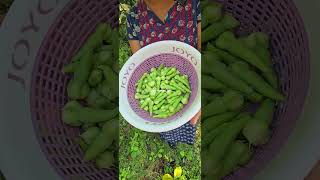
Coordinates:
(223,141)
(161,115)
(159,99)
(83,145)
(70,68)
(215,121)
(212,84)
(176,93)
(80,78)
(183,80)
(96,100)
(145,103)
(185,99)
(213,12)
(157,106)
(265,111)
(206,97)
(95,77)
(85,90)
(105,160)
(140,83)
(225,56)
(231,101)
(105,48)
(231,161)
(164,71)
(105,58)
(89,135)
(212,65)
(179,108)
(140,96)
(111,79)
(256,132)
(172,99)
(227,41)
(102,141)
(107,91)
(74,114)
(211,135)
(242,70)
(151,103)
(181,85)
(175,104)
(259,42)
(228,22)
(93,41)
(159,111)
(170,87)
(246,157)
(178,87)
(160,69)
(171,71)
(169,77)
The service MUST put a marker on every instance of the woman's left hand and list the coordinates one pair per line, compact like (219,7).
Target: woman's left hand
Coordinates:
(195,119)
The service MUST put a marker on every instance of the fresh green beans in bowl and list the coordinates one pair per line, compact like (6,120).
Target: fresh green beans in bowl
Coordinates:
(163,91)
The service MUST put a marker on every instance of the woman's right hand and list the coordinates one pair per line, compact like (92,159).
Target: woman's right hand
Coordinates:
(195,119)
(134,45)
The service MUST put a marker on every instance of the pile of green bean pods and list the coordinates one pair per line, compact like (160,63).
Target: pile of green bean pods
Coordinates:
(163,92)
(93,94)
(236,72)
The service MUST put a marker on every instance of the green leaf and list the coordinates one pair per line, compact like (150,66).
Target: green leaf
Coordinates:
(133,154)
(189,156)
(135,148)
(182,153)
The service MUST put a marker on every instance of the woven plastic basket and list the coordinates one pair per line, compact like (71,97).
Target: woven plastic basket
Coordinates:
(290,53)
(279,18)
(48,92)
(168,60)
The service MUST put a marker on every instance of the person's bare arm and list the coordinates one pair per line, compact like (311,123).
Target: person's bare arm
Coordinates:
(199,36)
(134,45)
(197,117)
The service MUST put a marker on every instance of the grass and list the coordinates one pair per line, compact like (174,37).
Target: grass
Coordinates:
(147,157)
(144,156)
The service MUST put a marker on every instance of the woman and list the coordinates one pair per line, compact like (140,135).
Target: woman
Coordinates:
(150,21)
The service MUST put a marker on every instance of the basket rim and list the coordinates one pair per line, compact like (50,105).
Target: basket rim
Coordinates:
(126,71)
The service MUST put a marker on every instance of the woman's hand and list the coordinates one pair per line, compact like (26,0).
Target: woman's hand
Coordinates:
(199,36)
(195,119)
(134,45)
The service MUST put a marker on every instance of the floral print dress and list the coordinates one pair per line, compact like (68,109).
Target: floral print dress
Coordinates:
(180,24)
